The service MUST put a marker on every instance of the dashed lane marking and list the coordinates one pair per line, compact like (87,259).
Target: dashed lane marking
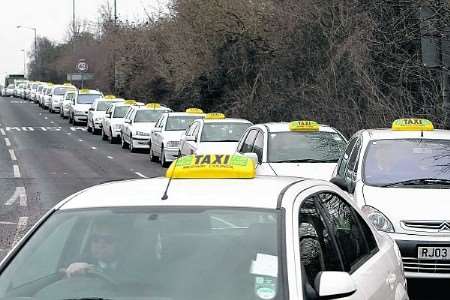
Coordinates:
(16,171)
(110,157)
(7,223)
(19,194)
(7,142)
(12,154)
(2,131)
(20,230)
(34,129)
(94,148)
(140,175)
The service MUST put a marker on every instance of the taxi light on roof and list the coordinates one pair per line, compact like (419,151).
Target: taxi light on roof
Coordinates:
(194,111)
(67,84)
(153,105)
(131,102)
(303,126)
(109,97)
(412,124)
(212,166)
(216,116)
(84,91)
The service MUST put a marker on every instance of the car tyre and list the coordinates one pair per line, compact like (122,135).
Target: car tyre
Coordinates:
(164,163)
(112,140)
(153,157)
(123,143)
(132,149)
(104,136)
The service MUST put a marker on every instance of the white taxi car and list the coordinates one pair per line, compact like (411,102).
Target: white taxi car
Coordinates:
(223,235)
(44,97)
(114,118)
(38,93)
(165,137)
(299,148)
(79,107)
(400,178)
(98,111)
(57,96)
(138,123)
(68,98)
(213,134)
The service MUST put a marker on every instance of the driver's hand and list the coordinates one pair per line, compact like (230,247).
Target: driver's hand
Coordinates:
(79,268)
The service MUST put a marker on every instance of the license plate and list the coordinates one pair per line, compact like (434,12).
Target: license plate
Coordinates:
(435,253)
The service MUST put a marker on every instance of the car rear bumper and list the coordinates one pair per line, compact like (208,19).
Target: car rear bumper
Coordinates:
(141,143)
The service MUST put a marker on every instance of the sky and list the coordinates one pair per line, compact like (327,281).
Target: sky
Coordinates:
(51,18)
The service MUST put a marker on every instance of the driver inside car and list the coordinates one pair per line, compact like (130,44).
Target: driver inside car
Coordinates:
(102,252)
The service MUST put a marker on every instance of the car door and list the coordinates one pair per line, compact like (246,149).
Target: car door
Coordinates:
(126,127)
(192,146)
(157,137)
(184,148)
(333,236)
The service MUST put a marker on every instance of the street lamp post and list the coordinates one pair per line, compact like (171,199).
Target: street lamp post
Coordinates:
(35,45)
(24,63)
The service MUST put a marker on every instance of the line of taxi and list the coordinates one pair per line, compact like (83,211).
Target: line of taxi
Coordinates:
(391,180)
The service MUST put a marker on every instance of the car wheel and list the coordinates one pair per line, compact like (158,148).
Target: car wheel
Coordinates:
(132,149)
(89,128)
(104,136)
(123,143)
(164,163)
(112,140)
(153,157)
(70,119)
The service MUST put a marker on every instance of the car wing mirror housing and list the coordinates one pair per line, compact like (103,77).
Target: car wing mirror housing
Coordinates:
(343,184)
(334,285)
(190,138)
(157,129)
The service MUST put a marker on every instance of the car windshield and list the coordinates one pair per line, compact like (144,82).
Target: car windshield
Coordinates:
(148,115)
(393,161)
(120,111)
(179,123)
(150,253)
(61,90)
(103,105)
(318,146)
(223,132)
(87,98)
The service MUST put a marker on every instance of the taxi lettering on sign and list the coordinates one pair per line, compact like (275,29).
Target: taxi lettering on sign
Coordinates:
(412,124)
(212,166)
(304,126)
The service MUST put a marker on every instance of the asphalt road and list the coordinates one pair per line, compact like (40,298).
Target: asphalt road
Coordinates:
(44,159)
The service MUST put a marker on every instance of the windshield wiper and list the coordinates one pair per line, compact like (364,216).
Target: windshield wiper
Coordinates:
(306,160)
(421,181)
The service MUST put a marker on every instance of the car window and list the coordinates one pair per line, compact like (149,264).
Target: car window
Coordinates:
(196,130)
(354,237)
(190,129)
(247,146)
(258,147)
(345,156)
(353,162)
(318,251)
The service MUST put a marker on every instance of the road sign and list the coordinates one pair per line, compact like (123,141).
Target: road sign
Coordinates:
(80,76)
(82,66)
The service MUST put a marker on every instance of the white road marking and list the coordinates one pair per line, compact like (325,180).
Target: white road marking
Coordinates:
(7,142)
(44,129)
(20,230)
(27,128)
(78,128)
(21,195)
(12,128)
(52,122)
(46,118)
(7,223)
(80,140)
(93,148)
(16,171)
(12,154)
(140,175)
(110,157)
(2,131)
(68,133)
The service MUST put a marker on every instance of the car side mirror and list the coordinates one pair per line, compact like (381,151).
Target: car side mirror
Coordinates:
(253,157)
(334,285)
(190,138)
(108,116)
(127,121)
(157,129)
(342,184)
(91,109)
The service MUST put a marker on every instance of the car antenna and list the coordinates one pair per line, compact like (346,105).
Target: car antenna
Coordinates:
(165,196)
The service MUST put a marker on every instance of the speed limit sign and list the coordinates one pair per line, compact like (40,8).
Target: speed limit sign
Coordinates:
(82,66)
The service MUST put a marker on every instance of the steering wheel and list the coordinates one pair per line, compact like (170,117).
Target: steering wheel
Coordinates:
(98,274)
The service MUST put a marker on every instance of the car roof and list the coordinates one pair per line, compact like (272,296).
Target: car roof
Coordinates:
(89,92)
(163,108)
(170,114)
(284,127)
(226,120)
(260,192)
(387,133)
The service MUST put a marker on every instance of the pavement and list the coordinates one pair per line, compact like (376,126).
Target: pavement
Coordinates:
(44,159)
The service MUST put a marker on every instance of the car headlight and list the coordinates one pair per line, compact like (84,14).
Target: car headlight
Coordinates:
(142,133)
(79,112)
(378,219)
(173,144)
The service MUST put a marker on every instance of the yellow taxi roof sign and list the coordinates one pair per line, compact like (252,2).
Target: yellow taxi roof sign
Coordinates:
(109,97)
(214,116)
(84,91)
(153,105)
(67,84)
(304,126)
(194,110)
(129,101)
(412,124)
(212,166)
